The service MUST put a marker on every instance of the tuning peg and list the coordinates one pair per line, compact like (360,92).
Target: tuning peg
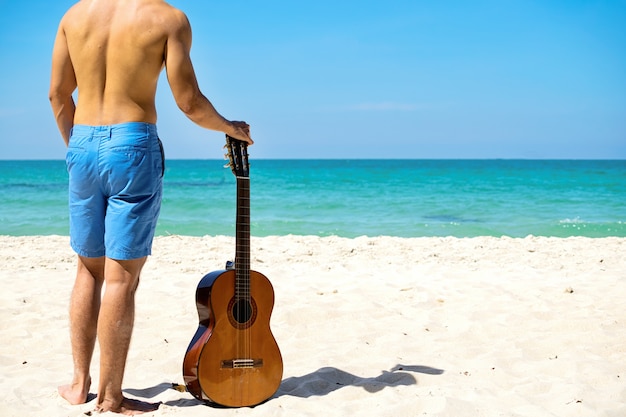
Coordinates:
(227,166)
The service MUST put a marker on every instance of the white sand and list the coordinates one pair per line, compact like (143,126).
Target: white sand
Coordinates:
(367,327)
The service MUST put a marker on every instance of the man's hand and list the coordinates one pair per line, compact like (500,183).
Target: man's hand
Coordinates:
(241,131)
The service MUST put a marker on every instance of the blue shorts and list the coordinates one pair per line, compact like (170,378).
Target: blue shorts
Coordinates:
(115,189)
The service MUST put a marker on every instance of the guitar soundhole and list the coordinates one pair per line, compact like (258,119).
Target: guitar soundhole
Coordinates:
(242,312)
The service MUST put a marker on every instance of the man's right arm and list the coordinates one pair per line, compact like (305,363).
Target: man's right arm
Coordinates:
(182,79)
(62,85)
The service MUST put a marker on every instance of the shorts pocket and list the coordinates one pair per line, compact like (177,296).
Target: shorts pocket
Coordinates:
(73,156)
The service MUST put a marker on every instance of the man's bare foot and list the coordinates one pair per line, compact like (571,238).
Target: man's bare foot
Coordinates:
(128,407)
(75,393)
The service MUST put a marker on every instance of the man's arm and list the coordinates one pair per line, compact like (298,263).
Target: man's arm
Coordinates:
(182,79)
(62,85)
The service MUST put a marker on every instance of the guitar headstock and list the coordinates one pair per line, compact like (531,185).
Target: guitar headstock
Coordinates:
(238,156)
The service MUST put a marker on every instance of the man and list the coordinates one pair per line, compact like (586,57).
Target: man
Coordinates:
(113,51)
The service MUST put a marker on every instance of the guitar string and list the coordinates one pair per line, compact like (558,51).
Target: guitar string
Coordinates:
(247,271)
(244,277)
(248,277)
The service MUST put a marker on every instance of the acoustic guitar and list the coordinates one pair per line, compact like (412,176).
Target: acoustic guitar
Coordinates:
(233,359)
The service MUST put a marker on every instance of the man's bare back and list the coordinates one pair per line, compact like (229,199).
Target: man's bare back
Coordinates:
(117,61)
(113,52)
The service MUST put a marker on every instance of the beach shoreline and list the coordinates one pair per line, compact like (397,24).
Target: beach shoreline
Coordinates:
(350,198)
(378,326)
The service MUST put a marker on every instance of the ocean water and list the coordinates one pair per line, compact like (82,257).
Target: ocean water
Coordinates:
(349,198)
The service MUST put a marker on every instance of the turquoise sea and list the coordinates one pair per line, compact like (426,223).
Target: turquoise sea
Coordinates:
(349,198)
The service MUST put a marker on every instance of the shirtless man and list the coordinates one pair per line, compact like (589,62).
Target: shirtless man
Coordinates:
(113,51)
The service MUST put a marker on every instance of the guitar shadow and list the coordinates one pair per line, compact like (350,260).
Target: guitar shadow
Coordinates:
(329,379)
(318,383)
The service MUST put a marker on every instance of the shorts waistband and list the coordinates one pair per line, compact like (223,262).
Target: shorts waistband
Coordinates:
(120,128)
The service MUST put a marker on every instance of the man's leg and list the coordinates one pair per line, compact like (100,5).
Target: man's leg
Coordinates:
(84,307)
(115,327)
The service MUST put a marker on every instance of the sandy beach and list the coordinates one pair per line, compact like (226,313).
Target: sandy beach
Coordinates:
(367,327)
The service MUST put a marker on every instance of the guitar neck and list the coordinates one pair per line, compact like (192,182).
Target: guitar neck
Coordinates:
(242,240)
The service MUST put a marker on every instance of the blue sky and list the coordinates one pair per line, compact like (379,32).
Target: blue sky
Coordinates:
(365,79)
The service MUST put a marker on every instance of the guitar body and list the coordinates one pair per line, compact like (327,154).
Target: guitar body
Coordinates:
(234,359)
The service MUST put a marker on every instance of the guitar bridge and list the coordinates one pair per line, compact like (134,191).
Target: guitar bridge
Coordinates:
(242,363)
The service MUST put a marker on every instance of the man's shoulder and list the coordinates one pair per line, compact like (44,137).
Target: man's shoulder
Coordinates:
(167,15)
(177,15)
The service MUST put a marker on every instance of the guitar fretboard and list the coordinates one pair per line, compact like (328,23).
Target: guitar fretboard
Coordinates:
(242,243)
